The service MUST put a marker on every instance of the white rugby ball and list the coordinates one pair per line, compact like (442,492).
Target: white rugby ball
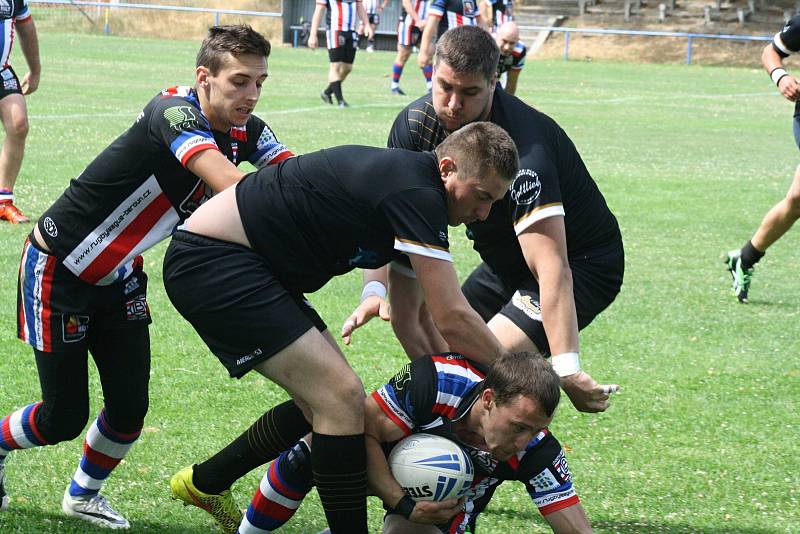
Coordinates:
(431,468)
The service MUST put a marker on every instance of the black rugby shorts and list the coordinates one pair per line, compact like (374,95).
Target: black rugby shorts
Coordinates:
(238,306)
(10,85)
(342,46)
(596,281)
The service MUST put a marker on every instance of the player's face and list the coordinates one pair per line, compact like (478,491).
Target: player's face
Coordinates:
(507,428)
(469,197)
(233,92)
(460,99)
(506,42)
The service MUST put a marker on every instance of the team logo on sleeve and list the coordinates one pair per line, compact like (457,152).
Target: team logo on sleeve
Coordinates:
(526,187)
(544,481)
(50,227)
(562,467)
(181,118)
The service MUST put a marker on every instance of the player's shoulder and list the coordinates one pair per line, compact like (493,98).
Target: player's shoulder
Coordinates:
(180,107)
(520,49)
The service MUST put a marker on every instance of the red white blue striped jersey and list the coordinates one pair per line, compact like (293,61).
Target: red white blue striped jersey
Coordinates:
(11,12)
(513,61)
(138,189)
(501,11)
(371,6)
(420,6)
(430,393)
(342,15)
(454,13)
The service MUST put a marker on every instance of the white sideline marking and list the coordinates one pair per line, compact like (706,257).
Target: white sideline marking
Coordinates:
(268,112)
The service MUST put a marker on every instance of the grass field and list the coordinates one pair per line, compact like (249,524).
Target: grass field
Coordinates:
(703,436)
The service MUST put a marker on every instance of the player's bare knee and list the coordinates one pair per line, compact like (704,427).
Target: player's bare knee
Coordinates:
(18,128)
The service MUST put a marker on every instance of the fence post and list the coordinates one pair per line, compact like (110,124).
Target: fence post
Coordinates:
(566,46)
(706,15)
(751,6)
(627,10)
(718,5)
(689,50)
(740,14)
(662,12)
(581,7)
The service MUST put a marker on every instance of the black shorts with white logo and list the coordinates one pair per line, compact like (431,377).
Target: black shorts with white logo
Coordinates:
(228,293)
(342,46)
(59,312)
(596,281)
(11,85)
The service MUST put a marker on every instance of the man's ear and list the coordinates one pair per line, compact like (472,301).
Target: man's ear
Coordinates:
(447,165)
(487,398)
(201,75)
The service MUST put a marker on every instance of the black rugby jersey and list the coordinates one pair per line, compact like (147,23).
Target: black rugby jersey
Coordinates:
(787,42)
(454,13)
(325,213)
(552,180)
(432,392)
(138,189)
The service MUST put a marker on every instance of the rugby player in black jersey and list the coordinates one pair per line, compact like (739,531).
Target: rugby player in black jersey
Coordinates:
(551,249)
(82,288)
(782,216)
(498,415)
(238,269)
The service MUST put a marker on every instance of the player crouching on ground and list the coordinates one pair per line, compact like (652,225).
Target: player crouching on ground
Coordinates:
(500,418)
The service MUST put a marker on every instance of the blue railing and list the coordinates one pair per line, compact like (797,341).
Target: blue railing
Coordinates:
(688,36)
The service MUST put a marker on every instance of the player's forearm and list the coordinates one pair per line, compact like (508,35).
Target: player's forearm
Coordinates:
(315,20)
(362,14)
(559,316)
(465,332)
(511,81)
(379,478)
(429,34)
(29,43)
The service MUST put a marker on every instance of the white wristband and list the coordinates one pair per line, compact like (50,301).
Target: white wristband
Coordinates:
(373,288)
(777,74)
(566,363)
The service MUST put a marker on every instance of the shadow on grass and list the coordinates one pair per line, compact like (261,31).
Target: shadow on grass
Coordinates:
(625,527)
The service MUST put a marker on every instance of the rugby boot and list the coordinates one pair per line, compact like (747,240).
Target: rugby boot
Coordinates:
(9,212)
(95,510)
(3,495)
(343,104)
(398,91)
(741,278)
(221,507)
(328,99)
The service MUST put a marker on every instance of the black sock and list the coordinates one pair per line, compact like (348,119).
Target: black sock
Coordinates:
(750,255)
(328,90)
(273,433)
(336,87)
(340,474)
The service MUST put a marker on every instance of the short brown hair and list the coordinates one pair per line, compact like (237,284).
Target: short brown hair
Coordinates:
(526,374)
(236,40)
(468,50)
(481,147)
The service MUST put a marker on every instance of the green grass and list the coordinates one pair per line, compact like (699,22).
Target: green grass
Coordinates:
(702,437)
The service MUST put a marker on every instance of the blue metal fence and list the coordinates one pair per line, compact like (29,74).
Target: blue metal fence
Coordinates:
(688,36)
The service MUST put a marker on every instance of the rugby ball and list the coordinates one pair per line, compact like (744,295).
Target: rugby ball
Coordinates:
(431,468)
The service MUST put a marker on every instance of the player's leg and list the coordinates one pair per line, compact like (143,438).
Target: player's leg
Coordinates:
(250,322)
(282,489)
(59,344)
(374,26)
(403,53)
(14,115)
(427,70)
(316,373)
(776,222)
(410,319)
